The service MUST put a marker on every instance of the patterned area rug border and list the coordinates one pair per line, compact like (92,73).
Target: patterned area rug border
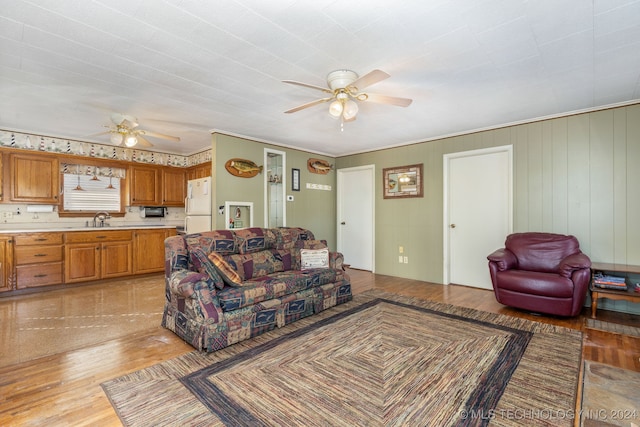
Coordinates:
(157,396)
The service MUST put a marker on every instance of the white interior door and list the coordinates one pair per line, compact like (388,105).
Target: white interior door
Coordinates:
(478,212)
(356,211)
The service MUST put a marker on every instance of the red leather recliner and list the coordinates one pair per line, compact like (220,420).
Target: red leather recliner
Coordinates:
(541,272)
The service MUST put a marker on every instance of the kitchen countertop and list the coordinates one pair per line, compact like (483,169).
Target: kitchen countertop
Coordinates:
(62,228)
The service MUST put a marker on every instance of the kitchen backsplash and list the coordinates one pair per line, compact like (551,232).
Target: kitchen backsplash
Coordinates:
(18,217)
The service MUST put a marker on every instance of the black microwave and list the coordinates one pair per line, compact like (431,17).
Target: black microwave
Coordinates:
(152,211)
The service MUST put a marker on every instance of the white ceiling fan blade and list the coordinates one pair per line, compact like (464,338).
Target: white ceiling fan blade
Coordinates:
(142,141)
(392,100)
(368,79)
(323,89)
(106,132)
(309,104)
(158,135)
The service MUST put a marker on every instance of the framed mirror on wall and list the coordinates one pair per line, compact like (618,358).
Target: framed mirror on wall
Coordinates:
(275,188)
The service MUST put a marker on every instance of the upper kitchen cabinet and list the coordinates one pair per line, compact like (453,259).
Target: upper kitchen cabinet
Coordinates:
(202,170)
(35,178)
(144,186)
(174,186)
(1,177)
(157,186)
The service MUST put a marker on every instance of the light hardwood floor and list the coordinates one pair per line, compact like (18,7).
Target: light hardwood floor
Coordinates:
(59,346)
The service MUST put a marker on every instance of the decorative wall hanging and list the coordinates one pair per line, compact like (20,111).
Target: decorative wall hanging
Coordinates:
(295,179)
(319,166)
(242,168)
(402,182)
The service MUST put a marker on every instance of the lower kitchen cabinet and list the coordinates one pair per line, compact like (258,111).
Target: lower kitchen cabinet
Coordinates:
(43,259)
(97,255)
(38,259)
(6,263)
(149,249)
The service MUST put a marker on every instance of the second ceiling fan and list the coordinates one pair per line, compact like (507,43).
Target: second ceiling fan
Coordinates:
(126,131)
(345,89)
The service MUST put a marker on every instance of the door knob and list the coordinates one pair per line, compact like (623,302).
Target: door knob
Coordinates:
(452,226)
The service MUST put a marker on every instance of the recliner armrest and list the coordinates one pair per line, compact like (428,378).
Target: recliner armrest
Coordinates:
(504,259)
(572,263)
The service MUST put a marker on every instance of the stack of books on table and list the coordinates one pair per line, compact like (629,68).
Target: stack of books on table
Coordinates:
(609,282)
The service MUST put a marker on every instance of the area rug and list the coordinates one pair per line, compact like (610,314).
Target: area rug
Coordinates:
(610,396)
(379,360)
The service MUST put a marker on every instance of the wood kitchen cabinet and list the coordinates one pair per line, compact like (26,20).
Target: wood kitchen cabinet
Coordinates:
(38,259)
(202,170)
(157,186)
(174,186)
(6,263)
(148,246)
(35,178)
(145,185)
(93,255)
(1,177)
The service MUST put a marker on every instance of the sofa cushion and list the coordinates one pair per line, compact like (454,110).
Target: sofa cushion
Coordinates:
(228,274)
(203,264)
(221,241)
(287,237)
(276,285)
(251,240)
(284,257)
(257,264)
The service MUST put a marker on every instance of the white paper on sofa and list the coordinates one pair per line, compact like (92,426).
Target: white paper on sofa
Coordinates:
(314,258)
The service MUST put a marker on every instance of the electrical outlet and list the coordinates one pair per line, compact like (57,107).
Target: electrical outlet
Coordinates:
(401,249)
(400,259)
(7,215)
(406,260)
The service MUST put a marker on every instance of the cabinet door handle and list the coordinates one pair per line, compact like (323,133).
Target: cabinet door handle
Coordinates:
(40,255)
(101,237)
(40,275)
(41,239)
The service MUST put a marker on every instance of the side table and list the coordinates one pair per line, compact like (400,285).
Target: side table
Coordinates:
(614,294)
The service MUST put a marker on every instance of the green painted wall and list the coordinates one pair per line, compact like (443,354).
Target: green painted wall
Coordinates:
(575,175)
(311,209)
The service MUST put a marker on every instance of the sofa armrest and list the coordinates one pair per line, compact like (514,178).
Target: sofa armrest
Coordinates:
(504,259)
(184,283)
(336,260)
(198,293)
(572,263)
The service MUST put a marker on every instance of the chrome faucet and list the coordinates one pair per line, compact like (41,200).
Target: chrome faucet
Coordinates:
(102,216)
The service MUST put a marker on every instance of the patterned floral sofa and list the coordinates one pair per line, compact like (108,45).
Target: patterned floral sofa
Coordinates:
(225,286)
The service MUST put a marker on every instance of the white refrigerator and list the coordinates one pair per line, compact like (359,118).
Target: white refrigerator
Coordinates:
(197,206)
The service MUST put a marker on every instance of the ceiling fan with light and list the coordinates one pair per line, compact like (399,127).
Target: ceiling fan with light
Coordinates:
(345,88)
(126,132)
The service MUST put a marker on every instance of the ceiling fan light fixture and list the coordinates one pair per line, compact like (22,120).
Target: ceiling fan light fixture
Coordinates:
(350,110)
(116,138)
(336,108)
(130,140)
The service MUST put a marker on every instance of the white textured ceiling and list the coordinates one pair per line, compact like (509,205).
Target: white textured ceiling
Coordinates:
(184,67)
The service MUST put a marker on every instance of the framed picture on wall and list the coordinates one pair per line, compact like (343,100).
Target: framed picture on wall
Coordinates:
(402,181)
(295,179)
